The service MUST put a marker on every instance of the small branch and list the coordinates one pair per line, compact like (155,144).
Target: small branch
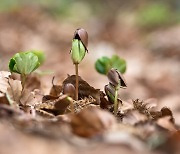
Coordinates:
(77,81)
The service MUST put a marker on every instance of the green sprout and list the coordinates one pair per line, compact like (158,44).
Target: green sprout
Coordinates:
(78,51)
(24,63)
(116,81)
(104,64)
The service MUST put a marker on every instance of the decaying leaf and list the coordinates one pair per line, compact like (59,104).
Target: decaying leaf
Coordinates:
(55,89)
(4,74)
(28,98)
(91,122)
(14,91)
(54,106)
(85,90)
(3,99)
(133,117)
(166,123)
(3,84)
(33,82)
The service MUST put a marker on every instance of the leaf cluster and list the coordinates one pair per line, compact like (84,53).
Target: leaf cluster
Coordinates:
(104,64)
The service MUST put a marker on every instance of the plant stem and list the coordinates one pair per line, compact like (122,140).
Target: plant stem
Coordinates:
(116,101)
(23,80)
(77,81)
(71,105)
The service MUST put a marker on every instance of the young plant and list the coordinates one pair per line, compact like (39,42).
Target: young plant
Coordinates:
(116,81)
(25,63)
(78,51)
(104,64)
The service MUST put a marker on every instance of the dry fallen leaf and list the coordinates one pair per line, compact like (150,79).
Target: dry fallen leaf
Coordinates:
(166,123)
(133,117)
(91,122)
(36,84)
(85,90)
(28,98)
(14,91)
(4,74)
(55,89)
(3,84)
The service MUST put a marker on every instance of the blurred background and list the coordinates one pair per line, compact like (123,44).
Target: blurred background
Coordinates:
(145,33)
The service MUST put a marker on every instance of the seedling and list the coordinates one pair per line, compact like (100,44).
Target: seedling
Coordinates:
(24,63)
(104,64)
(78,51)
(116,81)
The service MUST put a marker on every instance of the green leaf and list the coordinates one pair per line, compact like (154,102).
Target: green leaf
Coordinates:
(78,51)
(39,54)
(102,65)
(24,63)
(118,63)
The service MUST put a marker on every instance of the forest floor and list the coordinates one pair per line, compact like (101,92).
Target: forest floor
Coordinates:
(148,119)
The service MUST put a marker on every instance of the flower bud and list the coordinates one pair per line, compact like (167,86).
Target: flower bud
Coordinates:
(116,79)
(79,45)
(110,92)
(81,35)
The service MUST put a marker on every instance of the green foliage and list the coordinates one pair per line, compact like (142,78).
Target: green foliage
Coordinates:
(104,64)
(24,63)
(154,15)
(39,54)
(78,51)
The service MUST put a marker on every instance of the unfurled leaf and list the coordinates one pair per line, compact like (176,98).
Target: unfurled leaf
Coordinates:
(39,54)
(104,64)
(24,63)
(118,63)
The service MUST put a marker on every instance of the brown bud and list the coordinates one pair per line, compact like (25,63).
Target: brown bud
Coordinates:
(69,90)
(81,35)
(110,92)
(116,79)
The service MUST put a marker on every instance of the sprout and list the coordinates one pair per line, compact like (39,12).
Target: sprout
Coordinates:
(78,51)
(104,64)
(116,81)
(24,63)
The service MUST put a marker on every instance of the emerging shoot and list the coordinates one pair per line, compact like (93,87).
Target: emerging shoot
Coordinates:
(24,63)
(78,51)
(116,81)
